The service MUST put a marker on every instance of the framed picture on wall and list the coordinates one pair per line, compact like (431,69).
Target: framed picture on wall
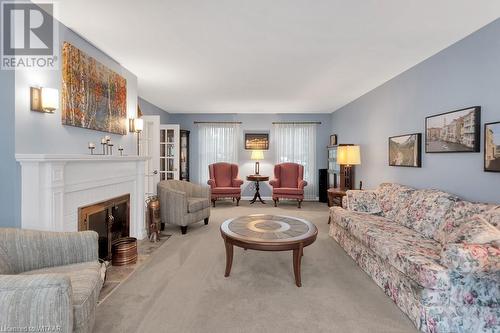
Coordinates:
(453,132)
(406,150)
(492,147)
(257,141)
(333,140)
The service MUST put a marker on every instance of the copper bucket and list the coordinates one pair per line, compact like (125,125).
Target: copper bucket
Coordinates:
(124,251)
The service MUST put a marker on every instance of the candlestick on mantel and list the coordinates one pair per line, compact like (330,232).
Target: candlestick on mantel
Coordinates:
(110,145)
(120,149)
(91,147)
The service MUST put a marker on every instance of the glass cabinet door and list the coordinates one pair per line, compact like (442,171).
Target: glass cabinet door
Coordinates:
(333,166)
(169,152)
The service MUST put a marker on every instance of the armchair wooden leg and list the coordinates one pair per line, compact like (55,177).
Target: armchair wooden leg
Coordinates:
(233,199)
(206,221)
(238,201)
(275,202)
(184,229)
(213,202)
(299,202)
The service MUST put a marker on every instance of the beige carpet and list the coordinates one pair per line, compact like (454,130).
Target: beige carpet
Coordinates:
(183,289)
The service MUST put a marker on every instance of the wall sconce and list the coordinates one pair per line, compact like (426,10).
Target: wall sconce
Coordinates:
(136,125)
(44,99)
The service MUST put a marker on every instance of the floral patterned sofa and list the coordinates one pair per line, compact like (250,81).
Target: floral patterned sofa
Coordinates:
(435,255)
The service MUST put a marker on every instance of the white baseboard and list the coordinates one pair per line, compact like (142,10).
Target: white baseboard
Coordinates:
(270,198)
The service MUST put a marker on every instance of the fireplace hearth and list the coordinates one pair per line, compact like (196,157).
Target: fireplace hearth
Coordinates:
(110,219)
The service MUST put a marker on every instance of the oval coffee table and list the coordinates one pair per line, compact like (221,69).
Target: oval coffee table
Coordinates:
(268,233)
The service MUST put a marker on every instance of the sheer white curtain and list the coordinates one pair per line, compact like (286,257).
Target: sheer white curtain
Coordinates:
(217,142)
(296,143)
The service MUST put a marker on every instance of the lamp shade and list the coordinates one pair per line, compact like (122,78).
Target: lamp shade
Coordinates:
(348,155)
(257,155)
(50,99)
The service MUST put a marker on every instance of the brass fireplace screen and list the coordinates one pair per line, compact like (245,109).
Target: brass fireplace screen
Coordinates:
(110,219)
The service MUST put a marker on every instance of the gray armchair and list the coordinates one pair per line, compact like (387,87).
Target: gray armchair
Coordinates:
(183,203)
(49,281)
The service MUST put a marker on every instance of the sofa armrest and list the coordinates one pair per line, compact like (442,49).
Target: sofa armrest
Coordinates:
(36,303)
(362,201)
(467,258)
(211,183)
(33,249)
(302,184)
(237,182)
(274,182)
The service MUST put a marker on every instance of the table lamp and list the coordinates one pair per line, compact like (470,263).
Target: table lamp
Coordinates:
(256,156)
(347,156)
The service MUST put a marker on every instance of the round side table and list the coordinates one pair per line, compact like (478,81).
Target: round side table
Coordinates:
(257,179)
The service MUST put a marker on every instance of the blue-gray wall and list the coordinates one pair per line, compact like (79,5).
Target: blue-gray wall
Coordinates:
(24,131)
(149,109)
(464,74)
(9,189)
(254,122)
(41,133)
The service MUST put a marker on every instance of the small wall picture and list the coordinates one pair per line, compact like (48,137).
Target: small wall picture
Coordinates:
(406,150)
(453,132)
(333,140)
(257,141)
(492,147)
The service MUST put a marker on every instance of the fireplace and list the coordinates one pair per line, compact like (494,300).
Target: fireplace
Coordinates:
(110,219)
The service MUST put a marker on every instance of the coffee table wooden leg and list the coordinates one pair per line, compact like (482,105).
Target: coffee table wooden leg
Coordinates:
(297,256)
(229,257)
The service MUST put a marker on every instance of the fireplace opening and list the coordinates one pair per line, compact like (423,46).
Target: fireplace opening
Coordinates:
(110,219)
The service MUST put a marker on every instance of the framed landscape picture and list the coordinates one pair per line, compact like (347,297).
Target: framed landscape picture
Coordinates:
(406,150)
(257,141)
(93,96)
(492,147)
(453,132)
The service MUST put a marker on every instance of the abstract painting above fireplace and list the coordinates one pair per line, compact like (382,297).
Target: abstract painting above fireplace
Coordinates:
(93,96)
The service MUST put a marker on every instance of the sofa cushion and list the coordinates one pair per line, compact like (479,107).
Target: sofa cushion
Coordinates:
(5,267)
(226,190)
(362,201)
(458,214)
(288,190)
(393,199)
(196,204)
(405,249)
(426,211)
(476,230)
(86,282)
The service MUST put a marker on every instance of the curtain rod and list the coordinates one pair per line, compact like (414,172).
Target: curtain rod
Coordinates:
(298,122)
(217,122)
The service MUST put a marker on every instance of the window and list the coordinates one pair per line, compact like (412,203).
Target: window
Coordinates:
(217,142)
(296,143)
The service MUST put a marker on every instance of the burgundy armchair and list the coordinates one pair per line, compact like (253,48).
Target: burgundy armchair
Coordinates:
(224,182)
(288,182)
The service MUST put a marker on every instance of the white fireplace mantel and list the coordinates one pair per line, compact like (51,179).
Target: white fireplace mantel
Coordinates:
(54,186)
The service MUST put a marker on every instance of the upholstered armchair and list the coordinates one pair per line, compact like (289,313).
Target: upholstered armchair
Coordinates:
(183,203)
(49,281)
(224,182)
(288,182)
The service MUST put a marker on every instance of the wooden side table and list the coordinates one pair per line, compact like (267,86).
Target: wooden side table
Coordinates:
(335,196)
(257,179)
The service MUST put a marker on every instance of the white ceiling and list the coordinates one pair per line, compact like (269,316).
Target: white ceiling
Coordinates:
(270,56)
